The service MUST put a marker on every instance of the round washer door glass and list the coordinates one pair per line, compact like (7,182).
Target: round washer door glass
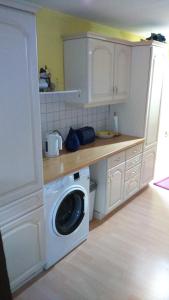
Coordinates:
(70,212)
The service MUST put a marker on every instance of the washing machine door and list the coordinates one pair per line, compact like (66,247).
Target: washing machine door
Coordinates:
(70,213)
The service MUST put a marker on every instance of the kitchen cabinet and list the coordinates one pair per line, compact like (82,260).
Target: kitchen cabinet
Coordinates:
(122,69)
(141,114)
(154,96)
(23,246)
(21,202)
(117,178)
(132,181)
(101,61)
(148,165)
(115,186)
(100,69)
(21,158)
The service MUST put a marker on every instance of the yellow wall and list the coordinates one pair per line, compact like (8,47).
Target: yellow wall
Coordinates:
(52,25)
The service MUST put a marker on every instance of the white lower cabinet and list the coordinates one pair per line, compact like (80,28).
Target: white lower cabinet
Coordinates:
(132,182)
(23,246)
(115,186)
(121,176)
(117,178)
(148,165)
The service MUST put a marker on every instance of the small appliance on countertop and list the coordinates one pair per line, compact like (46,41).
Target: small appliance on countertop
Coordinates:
(53,144)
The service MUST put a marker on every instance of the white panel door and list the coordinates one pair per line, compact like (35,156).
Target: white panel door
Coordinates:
(101,60)
(115,186)
(20,151)
(154,97)
(148,165)
(131,187)
(122,72)
(23,246)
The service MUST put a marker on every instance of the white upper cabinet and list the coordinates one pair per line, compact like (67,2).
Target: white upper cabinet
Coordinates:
(122,67)
(101,61)
(20,159)
(100,69)
(154,97)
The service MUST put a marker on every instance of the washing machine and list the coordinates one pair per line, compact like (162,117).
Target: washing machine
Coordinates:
(66,204)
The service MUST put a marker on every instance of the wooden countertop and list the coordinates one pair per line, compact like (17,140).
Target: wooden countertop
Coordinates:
(68,162)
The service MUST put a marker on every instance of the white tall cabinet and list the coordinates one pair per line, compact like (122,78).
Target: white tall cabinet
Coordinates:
(140,117)
(157,64)
(21,204)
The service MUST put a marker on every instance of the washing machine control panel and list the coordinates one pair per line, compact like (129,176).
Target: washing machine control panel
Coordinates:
(76,176)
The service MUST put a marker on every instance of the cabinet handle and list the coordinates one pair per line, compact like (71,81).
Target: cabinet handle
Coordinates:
(113,90)
(116,90)
(117,159)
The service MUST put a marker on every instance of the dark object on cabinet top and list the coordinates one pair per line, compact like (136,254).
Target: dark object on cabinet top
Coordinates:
(157,37)
(86,135)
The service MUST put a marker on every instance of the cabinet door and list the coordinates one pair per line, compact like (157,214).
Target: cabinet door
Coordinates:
(101,59)
(131,187)
(115,185)
(20,159)
(148,164)
(23,245)
(122,68)
(154,96)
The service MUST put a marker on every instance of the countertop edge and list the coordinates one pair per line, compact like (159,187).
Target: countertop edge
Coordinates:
(87,163)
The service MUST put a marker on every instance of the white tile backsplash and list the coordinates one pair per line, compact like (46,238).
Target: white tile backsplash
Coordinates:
(56,114)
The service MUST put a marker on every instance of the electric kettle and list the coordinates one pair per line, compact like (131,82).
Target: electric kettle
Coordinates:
(53,144)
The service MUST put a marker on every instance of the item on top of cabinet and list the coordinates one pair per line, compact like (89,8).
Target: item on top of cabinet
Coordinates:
(86,135)
(45,84)
(116,123)
(72,141)
(53,144)
(105,134)
(157,37)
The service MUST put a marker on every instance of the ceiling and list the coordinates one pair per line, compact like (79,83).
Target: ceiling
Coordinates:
(134,15)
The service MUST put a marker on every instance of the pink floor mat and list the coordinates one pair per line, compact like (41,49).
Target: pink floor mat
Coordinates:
(164,183)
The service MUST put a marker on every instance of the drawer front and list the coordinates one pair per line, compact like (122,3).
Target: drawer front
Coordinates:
(131,152)
(116,159)
(133,161)
(131,186)
(133,172)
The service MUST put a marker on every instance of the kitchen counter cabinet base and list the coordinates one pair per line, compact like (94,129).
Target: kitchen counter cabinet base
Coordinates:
(24,247)
(117,178)
(68,162)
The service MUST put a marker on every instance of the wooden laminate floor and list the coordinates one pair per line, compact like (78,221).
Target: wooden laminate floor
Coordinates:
(125,258)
